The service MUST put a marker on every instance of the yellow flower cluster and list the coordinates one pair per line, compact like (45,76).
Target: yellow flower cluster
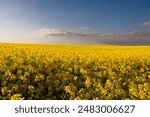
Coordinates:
(74,72)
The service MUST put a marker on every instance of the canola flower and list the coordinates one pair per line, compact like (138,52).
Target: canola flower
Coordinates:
(74,72)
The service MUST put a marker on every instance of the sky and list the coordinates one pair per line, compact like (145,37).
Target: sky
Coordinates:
(125,22)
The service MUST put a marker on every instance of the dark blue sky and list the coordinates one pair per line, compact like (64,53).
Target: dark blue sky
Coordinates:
(22,17)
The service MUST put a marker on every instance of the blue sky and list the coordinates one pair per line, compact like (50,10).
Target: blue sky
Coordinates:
(32,20)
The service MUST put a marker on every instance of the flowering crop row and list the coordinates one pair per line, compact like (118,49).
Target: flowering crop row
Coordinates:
(34,72)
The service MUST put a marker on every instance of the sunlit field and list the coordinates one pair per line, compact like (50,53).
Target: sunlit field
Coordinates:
(52,72)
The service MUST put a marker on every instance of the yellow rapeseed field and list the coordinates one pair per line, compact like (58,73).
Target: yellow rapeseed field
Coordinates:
(74,72)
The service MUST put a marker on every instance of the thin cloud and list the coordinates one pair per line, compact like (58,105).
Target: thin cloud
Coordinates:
(73,37)
(128,34)
(51,31)
(84,28)
(147,23)
(61,32)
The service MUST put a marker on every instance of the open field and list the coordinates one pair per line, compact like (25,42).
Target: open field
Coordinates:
(74,72)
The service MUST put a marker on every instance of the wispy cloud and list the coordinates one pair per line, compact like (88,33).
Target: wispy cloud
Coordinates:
(51,32)
(60,32)
(83,37)
(84,28)
(128,34)
(147,23)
